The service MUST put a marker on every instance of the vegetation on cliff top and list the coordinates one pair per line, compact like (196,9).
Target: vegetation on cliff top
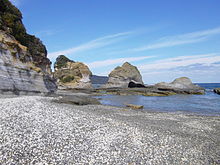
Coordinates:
(11,22)
(61,61)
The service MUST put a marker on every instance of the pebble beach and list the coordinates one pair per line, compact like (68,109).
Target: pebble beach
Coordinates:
(37,130)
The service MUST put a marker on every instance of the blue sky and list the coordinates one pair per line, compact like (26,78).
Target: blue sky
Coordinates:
(164,39)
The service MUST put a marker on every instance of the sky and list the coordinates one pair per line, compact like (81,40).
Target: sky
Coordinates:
(164,39)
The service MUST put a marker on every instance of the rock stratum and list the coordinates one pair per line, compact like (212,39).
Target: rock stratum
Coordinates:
(71,74)
(24,66)
(122,76)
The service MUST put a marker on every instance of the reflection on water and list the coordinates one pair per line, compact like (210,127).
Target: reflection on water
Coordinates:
(208,104)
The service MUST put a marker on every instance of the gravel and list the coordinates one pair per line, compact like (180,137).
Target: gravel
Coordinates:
(35,130)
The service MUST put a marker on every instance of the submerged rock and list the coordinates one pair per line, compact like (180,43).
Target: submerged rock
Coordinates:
(217,90)
(122,76)
(181,85)
(70,74)
(24,66)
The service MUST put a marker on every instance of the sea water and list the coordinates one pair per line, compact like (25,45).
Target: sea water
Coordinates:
(207,104)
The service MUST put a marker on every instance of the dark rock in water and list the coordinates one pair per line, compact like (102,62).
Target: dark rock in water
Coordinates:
(77,100)
(135,85)
(181,85)
(217,90)
(24,66)
(121,76)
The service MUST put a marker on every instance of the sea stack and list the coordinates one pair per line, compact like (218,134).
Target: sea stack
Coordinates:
(71,74)
(121,76)
(24,66)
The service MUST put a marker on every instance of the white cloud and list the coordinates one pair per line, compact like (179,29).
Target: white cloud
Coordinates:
(109,62)
(182,39)
(96,43)
(181,61)
(200,68)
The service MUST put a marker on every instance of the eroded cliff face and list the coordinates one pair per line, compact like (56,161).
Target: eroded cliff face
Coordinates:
(24,66)
(70,74)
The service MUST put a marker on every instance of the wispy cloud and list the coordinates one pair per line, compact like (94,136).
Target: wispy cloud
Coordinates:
(109,62)
(182,39)
(181,61)
(96,43)
(200,68)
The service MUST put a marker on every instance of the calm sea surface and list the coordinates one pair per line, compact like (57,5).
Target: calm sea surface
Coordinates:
(208,104)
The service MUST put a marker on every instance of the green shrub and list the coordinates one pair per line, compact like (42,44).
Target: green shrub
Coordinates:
(61,61)
(67,79)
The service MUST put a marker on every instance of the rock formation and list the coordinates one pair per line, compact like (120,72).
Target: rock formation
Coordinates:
(181,85)
(217,90)
(24,66)
(122,76)
(70,74)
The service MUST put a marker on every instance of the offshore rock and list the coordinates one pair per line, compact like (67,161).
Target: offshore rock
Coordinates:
(181,85)
(122,76)
(70,74)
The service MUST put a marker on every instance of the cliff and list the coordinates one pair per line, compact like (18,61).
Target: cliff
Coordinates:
(24,66)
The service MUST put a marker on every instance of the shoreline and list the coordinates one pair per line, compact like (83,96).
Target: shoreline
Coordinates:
(36,130)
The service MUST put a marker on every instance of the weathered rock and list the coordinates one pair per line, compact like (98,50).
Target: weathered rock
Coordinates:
(181,85)
(147,91)
(70,74)
(77,100)
(135,106)
(217,90)
(122,76)
(24,66)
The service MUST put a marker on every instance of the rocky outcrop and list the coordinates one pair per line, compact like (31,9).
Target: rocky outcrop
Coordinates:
(70,74)
(217,90)
(122,76)
(181,85)
(24,66)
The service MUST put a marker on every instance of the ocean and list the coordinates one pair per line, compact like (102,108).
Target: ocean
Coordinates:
(208,104)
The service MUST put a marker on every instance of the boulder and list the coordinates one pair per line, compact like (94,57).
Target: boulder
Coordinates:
(181,85)
(122,76)
(24,66)
(70,74)
(135,106)
(217,90)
